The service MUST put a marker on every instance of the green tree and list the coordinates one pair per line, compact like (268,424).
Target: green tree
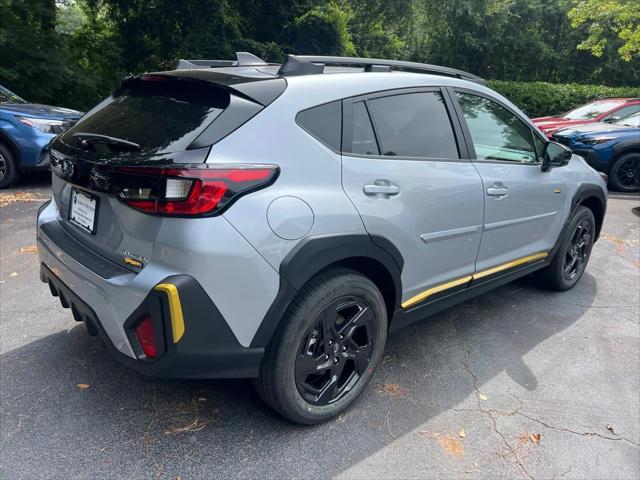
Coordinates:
(323,30)
(606,19)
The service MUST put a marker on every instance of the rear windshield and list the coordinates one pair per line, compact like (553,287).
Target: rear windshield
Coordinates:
(151,114)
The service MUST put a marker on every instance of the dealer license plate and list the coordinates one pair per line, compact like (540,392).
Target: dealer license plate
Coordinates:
(83,210)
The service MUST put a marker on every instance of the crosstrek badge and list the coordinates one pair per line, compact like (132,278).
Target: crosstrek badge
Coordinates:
(132,262)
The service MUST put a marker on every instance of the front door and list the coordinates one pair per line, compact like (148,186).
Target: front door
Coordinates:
(523,204)
(404,172)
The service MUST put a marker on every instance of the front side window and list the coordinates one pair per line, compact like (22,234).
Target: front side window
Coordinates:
(630,121)
(497,134)
(625,112)
(414,125)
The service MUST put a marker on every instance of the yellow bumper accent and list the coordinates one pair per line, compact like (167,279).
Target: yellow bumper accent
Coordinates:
(437,289)
(484,273)
(513,263)
(175,309)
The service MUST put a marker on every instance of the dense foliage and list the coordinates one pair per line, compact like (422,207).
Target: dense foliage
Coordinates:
(73,52)
(537,99)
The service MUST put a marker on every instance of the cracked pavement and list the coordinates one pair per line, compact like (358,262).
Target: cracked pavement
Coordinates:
(517,383)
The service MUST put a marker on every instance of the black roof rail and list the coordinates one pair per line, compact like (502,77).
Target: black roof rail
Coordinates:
(243,59)
(299,65)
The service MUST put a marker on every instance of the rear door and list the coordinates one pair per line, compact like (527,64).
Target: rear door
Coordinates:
(412,183)
(523,204)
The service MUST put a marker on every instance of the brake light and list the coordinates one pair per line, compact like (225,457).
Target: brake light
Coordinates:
(147,337)
(190,190)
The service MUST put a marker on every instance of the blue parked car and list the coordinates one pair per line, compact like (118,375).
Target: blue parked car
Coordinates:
(25,132)
(612,148)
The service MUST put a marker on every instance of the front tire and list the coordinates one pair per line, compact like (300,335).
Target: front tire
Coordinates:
(624,175)
(570,261)
(9,173)
(325,352)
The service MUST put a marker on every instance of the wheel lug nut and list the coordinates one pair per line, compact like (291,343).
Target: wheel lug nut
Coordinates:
(326,357)
(341,337)
(330,342)
(344,349)
(335,360)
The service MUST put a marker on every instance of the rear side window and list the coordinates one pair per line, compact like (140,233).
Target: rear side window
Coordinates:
(364,140)
(413,125)
(324,122)
(159,114)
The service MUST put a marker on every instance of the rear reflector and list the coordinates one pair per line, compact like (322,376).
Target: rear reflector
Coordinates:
(190,190)
(147,337)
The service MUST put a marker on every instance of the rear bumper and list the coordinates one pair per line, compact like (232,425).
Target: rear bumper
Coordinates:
(112,300)
(207,349)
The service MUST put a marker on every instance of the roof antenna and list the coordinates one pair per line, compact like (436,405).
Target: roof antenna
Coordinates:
(293,66)
(246,59)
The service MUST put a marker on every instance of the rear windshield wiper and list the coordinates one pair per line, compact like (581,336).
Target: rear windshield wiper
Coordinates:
(91,139)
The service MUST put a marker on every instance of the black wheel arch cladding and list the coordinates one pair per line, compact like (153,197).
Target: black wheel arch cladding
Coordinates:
(371,255)
(594,198)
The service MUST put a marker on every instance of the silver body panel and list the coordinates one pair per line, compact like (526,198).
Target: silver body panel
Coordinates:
(442,222)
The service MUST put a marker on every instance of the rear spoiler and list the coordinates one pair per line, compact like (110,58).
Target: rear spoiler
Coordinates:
(243,59)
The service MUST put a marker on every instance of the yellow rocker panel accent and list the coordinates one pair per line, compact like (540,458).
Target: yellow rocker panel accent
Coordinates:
(437,289)
(175,309)
(511,264)
(484,273)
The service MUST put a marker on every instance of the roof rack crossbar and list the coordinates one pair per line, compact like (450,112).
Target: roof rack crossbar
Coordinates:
(373,64)
(243,59)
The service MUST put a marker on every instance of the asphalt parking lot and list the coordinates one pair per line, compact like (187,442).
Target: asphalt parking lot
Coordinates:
(518,383)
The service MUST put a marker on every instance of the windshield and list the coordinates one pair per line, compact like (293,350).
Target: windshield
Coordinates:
(7,96)
(156,113)
(630,121)
(591,110)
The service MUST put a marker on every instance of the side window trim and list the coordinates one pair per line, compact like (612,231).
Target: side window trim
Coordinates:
(467,133)
(347,124)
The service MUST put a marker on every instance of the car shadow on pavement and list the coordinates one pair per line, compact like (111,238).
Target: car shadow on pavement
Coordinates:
(69,410)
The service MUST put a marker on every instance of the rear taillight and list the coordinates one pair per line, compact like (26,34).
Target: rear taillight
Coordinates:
(147,337)
(190,190)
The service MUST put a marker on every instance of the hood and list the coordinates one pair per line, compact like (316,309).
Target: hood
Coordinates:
(598,127)
(40,111)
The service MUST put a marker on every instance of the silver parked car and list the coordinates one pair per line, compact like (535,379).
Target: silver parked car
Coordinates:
(250,220)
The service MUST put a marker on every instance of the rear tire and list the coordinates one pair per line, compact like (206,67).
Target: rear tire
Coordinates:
(9,173)
(624,175)
(570,261)
(327,348)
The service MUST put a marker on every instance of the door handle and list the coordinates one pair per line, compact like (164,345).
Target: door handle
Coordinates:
(382,188)
(498,190)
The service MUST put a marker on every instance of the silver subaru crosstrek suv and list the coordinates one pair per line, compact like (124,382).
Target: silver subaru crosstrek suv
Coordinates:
(238,219)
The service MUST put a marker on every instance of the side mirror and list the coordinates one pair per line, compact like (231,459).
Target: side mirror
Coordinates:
(611,119)
(555,155)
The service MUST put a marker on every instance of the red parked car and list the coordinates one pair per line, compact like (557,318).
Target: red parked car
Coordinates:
(603,110)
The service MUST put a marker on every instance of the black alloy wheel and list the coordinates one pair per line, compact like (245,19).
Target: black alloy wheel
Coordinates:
(3,165)
(578,249)
(625,173)
(628,173)
(335,351)
(9,173)
(569,262)
(326,348)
